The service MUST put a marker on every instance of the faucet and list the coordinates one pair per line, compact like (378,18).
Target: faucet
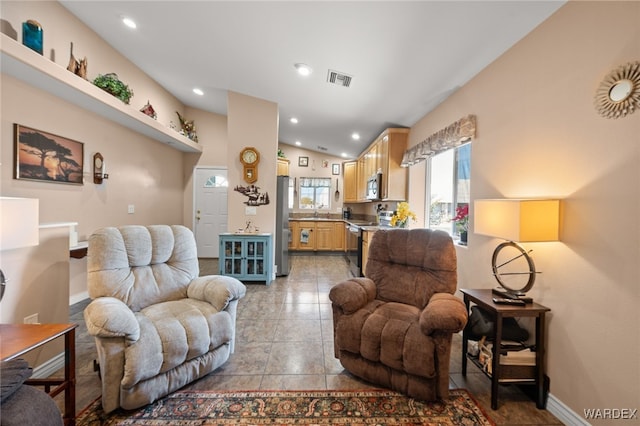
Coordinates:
(315,213)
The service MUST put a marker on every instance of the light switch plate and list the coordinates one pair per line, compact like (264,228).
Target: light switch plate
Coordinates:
(250,211)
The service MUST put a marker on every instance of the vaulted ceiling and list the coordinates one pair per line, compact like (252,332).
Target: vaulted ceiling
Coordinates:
(404,58)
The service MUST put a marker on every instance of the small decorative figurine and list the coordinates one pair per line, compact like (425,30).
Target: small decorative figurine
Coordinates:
(148,110)
(188,128)
(79,68)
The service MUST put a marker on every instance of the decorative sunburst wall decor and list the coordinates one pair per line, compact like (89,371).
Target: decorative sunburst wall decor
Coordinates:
(619,92)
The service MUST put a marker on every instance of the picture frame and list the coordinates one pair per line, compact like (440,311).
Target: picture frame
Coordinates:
(335,169)
(303,161)
(45,157)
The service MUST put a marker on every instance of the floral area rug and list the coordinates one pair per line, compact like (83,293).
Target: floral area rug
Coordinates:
(370,407)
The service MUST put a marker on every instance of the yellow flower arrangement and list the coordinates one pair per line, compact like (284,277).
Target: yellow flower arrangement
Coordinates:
(401,216)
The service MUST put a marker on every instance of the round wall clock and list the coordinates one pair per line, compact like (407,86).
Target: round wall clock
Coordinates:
(250,157)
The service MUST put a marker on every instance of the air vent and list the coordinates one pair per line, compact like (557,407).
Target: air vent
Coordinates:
(339,78)
(322,148)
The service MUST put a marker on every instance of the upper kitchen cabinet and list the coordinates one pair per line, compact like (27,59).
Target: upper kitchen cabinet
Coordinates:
(391,145)
(283,167)
(350,169)
(24,64)
(384,156)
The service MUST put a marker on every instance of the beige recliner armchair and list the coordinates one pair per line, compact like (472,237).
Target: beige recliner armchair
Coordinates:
(157,325)
(394,327)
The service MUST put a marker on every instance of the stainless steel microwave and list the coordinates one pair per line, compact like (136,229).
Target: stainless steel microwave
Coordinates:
(374,184)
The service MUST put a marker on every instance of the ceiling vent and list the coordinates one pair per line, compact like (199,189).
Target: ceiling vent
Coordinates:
(322,148)
(339,78)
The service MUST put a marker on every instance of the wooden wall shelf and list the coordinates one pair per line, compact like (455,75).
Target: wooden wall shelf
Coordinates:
(24,64)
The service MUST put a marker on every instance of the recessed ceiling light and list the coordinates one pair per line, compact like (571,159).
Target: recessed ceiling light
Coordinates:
(294,120)
(129,22)
(198,92)
(303,69)
(344,154)
(355,136)
(298,143)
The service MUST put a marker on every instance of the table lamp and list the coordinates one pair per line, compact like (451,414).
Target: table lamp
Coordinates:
(516,220)
(18,227)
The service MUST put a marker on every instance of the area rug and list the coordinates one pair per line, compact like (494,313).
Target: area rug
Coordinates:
(369,407)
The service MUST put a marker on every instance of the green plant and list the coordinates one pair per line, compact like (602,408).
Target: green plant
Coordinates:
(110,83)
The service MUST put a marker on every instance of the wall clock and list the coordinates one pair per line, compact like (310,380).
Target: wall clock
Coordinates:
(99,169)
(250,157)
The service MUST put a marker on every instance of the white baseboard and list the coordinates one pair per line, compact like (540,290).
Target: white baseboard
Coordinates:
(565,414)
(47,368)
(79,297)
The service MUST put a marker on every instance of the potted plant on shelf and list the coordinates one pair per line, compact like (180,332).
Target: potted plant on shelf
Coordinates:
(462,222)
(110,83)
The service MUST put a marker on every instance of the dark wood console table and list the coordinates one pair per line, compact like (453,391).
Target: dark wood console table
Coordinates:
(508,373)
(18,339)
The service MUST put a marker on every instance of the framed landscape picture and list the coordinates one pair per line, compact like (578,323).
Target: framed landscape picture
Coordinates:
(303,161)
(46,157)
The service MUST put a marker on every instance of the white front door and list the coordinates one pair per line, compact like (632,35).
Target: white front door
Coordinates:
(210,219)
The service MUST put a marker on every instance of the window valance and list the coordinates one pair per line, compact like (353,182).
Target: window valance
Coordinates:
(317,182)
(451,136)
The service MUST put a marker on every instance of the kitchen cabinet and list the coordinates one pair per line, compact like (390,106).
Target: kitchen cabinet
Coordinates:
(350,180)
(308,242)
(339,237)
(392,144)
(294,235)
(36,70)
(283,167)
(246,257)
(361,181)
(366,237)
(323,235)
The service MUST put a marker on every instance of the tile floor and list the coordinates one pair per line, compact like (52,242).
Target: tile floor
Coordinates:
(284,341)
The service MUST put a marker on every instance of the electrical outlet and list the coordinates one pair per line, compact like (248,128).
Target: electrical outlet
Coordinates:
(31,319)
(131,209)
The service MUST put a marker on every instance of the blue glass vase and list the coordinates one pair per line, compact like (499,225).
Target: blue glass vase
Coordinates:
(32,35)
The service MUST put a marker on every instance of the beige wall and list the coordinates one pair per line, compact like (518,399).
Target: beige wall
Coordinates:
(42,270)
(252,122)
(539,135)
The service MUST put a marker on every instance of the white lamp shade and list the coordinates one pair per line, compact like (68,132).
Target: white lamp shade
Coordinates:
(19,220)
(518,220)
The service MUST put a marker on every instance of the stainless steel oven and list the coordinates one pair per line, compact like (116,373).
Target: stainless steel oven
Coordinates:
(354,249)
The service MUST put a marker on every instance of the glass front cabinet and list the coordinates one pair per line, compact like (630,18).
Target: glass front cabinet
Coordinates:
(246,257)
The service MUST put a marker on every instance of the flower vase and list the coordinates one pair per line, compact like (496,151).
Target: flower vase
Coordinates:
(463,237)
(402,224)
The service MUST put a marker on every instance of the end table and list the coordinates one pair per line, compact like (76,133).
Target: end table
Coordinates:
(507,373)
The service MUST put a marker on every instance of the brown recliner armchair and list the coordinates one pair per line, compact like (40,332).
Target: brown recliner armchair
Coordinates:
(394,326)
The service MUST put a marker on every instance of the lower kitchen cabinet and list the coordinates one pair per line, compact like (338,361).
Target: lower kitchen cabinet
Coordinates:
(320,235)
(246,257)
(306,236)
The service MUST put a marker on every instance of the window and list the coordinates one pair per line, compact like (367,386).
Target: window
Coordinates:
(314,193)
(448,184)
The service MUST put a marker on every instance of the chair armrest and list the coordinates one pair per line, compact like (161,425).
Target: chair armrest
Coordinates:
(110,317)
(218,290)
(353,294)
(445,313)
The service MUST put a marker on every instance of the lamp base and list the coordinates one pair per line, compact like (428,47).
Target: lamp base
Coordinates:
(502,292)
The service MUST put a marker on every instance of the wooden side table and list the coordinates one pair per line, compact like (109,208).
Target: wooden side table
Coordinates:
(508,373)
(18,339)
